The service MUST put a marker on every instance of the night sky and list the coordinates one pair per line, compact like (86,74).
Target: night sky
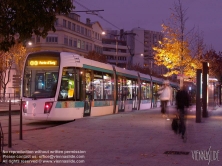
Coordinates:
(205,15)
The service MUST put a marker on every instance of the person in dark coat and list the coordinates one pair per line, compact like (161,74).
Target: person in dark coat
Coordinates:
(182,101)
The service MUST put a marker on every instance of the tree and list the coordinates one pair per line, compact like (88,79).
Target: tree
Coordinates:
(168,53)
(19,20)
(215,60)
(174,51)
(93,55)
(12,58)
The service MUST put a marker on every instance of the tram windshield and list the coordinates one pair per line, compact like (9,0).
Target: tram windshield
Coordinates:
(41,75)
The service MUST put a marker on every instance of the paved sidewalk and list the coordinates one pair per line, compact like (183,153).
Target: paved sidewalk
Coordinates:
(137,138)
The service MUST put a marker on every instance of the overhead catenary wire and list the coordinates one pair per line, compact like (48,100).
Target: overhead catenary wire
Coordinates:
(96,12)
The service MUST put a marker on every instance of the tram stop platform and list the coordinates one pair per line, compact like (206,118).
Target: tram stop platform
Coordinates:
(143,138)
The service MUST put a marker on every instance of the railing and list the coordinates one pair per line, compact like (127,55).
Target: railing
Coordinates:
(15,97)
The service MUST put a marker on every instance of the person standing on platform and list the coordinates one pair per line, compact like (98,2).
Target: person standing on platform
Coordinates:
(165,96)
(182,101)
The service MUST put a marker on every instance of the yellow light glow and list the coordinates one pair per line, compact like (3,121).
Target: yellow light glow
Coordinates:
(42,63)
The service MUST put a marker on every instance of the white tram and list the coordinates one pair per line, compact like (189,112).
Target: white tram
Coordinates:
(62,86)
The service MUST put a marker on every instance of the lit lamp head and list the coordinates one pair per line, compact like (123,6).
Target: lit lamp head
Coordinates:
(29,43)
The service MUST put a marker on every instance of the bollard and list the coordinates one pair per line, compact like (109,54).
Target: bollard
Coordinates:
(9,126)
(20,131)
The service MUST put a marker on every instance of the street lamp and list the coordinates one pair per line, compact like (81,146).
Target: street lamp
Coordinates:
(29,43)
(29,46)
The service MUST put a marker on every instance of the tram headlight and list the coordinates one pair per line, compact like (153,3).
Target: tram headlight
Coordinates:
(47,107)
(24,106)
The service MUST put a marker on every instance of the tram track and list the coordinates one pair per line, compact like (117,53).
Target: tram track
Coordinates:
(27,125)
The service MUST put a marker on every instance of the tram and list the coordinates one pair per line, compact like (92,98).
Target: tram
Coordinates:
(63,86)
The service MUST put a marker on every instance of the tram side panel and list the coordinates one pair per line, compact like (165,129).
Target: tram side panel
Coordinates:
(67,110)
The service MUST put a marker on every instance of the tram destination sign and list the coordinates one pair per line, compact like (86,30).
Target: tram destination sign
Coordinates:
(42,63)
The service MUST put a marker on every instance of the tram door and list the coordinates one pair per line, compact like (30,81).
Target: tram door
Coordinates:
(135,94)
(89,93)
(121,94)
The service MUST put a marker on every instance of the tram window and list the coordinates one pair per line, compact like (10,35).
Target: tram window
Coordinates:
(145,90)
(148,91)
(108,88)
(45,84)
(40,80)
(129,89)
(134,90)
(155,90)
(123,89)
(63,94)
(69,88)
(119,87)
(51,81)
(102,85)
(88,83)
(98,85)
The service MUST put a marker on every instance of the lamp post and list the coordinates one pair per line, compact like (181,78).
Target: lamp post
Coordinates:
(151,67)
(116,49)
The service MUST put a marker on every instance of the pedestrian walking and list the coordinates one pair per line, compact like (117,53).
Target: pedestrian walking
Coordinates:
(165,95)
(182,101)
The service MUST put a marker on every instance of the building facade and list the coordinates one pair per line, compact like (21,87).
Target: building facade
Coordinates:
(71,35)
(115,48)
(142,42)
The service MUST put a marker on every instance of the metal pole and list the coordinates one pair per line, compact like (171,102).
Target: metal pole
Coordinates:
(215,104)
(20,132)
(205,90)
(152,99)
(116,49)
(151,106)
(9,126)
(1,143)
(198,98)
(219,93)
